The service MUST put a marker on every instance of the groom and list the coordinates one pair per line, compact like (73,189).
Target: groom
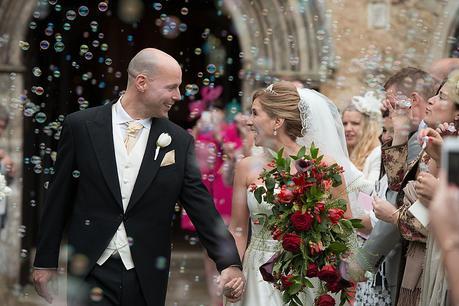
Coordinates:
(120,169)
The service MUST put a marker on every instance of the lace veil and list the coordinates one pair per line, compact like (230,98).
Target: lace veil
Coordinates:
(322,125)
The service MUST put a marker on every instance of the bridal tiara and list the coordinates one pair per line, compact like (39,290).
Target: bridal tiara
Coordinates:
(270,90)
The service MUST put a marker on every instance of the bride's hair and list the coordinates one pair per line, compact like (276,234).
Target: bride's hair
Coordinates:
(280,100)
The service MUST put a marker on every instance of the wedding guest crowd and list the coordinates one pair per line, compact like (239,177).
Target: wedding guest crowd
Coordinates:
(403,246)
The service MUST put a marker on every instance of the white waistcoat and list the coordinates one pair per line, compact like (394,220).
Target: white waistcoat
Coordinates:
(128,168)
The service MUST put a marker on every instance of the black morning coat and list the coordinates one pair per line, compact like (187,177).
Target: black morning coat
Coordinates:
(90,204)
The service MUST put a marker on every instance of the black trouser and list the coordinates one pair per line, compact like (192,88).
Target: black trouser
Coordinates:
(110,285)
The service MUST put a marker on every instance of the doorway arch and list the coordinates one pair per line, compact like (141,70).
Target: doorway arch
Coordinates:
(278,39)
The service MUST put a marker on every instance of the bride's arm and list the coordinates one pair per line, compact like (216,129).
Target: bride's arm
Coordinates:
(239,225)
(340,192)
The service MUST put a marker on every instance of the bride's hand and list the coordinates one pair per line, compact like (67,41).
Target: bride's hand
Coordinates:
(233,290)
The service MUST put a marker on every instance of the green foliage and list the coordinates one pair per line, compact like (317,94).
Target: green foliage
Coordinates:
(305,192)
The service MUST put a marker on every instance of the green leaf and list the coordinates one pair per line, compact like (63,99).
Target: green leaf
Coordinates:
(337,180)
(259,193)
(294,289)
(356,223)
(280,154)
(286,297)
(269,197)
(297,300)
(301,152)
(308,283)
(347,224)
(314,151)
(337,247)
(270,183)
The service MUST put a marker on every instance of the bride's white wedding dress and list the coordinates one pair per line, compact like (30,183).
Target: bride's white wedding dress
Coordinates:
(261,248)
(322,126)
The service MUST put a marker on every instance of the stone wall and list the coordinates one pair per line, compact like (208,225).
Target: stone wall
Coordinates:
(364,56)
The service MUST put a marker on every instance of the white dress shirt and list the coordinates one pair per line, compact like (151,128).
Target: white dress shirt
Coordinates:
(128,168)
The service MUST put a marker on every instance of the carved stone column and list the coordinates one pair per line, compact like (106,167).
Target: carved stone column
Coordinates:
(281,39)
(14,15)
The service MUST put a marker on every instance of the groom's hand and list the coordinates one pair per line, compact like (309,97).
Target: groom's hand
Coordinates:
(232,283)
(41,279)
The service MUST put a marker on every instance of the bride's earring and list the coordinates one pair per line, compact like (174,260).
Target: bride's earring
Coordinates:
(275,132)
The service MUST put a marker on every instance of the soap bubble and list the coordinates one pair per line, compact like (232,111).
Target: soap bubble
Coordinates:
(59,46)
(71,15)
(40,117)
(103,6)
(24,45)
(36,71)
(83,11)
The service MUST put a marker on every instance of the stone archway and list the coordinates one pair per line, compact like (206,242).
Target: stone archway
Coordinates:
(14,16)
(279,39)
(446,28)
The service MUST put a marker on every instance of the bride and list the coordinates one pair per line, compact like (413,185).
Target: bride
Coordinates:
(282,117)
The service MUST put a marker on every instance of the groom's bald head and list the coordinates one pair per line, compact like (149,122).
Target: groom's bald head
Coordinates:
(149,62)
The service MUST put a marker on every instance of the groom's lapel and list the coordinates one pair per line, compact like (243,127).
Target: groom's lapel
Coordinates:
(101,134)
(149,167)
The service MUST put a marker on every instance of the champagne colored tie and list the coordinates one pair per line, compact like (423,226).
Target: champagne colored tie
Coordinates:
(132,134)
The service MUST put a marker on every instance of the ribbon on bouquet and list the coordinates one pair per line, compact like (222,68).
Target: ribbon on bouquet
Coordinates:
(208,95)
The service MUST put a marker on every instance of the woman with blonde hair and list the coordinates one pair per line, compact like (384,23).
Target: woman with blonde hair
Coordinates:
(362,122)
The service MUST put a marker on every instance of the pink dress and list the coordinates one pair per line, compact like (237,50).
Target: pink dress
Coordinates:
(209,154)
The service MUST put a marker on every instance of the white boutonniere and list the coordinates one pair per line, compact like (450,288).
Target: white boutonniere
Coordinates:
(163,141)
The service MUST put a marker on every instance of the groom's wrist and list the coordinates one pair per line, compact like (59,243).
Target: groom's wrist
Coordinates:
(236,266)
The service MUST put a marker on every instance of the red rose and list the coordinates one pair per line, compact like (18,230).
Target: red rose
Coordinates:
(335,214)
(312,270)
(319,207)
(285,195)
(334,286)
(291,242)
(285,279)
(328,274)
(325,300)
(301,222)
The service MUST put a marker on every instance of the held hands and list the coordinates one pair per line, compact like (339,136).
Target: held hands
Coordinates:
(232,283)
(41,279)
(384,210)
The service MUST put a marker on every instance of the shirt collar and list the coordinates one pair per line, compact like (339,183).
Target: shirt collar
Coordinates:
(122,117)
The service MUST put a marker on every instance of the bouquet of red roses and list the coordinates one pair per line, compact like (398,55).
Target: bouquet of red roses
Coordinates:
(309,224)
